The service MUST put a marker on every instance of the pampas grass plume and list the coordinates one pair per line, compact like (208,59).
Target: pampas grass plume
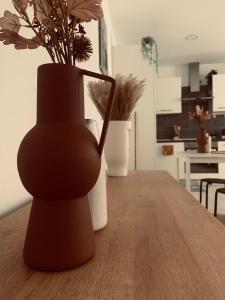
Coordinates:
(128,90)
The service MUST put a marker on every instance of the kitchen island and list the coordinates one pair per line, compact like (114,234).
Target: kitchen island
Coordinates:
(159,243)
(194,157)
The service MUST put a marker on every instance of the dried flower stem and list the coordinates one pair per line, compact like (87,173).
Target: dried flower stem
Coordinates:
(57,27)
(25,17)
(58,48)
(72,38)
(41,39)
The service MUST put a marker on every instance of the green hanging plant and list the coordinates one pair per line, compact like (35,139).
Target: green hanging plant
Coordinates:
(150,50)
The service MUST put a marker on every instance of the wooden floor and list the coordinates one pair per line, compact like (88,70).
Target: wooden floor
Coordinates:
(160,243)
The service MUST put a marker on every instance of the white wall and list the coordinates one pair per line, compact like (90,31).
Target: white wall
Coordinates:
(128,60)
(18,104)
(175,71)
(93,63)
(204,69)
(17,114)
(183,71)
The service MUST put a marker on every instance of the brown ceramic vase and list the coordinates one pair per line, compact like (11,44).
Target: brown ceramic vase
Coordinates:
(59,162)
(201,140)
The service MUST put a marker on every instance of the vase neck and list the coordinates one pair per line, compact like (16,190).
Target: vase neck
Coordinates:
(60,96)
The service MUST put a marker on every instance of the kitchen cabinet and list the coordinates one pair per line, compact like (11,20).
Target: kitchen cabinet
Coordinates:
(168,95)
(169,162)
(219,93)
(221,147)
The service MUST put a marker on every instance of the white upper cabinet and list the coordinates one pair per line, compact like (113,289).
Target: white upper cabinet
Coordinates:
(219,93)
(168,95)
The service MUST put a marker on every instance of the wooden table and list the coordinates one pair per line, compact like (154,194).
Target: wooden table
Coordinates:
(194,157)
(160,243)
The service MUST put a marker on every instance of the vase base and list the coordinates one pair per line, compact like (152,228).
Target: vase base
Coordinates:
(59,234)
(117,171)
(117,174)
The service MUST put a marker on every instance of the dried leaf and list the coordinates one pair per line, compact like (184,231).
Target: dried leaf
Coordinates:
(85,10)
(10,21)
(21,5)
(41,10)
(11,37)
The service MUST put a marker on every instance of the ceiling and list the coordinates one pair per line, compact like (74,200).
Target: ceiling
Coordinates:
(168,22)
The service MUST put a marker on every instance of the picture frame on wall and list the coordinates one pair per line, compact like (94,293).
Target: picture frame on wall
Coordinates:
(103,54)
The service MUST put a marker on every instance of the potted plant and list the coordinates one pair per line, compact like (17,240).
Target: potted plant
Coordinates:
(128,90)
(209,78)
(59,158)
(149,50)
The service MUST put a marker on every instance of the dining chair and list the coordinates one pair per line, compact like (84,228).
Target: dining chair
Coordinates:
(209,181)
(222,191)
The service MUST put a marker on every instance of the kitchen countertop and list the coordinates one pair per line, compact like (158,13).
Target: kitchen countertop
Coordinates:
(176,140)
(180,140)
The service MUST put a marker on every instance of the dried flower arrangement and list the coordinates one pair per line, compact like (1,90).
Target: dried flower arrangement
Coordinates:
(128,90)
(56,25)
(200,116)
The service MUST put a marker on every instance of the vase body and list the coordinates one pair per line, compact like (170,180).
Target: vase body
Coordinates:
(59,163)
(117,148)
(97,197)
(201,140)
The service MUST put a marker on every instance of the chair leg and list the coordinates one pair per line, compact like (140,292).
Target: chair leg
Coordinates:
(206,195)
(215,204)
(201,182)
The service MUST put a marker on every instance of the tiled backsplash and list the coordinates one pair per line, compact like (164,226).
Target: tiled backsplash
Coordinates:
(189,128)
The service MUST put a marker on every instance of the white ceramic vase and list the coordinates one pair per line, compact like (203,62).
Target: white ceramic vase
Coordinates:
(97,196)
(117,148)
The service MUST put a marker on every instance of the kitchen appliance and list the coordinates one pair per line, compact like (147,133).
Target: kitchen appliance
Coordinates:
(195,92)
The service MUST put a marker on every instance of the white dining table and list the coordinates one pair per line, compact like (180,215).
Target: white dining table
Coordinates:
(195,157)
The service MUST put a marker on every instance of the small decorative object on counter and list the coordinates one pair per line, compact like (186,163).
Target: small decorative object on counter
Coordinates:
(167,149)
(201,116)
(208,146)
(59,159)
(128,90)
(177,130)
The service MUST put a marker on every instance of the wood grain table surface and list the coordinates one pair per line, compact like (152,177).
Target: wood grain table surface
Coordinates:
(160,243)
